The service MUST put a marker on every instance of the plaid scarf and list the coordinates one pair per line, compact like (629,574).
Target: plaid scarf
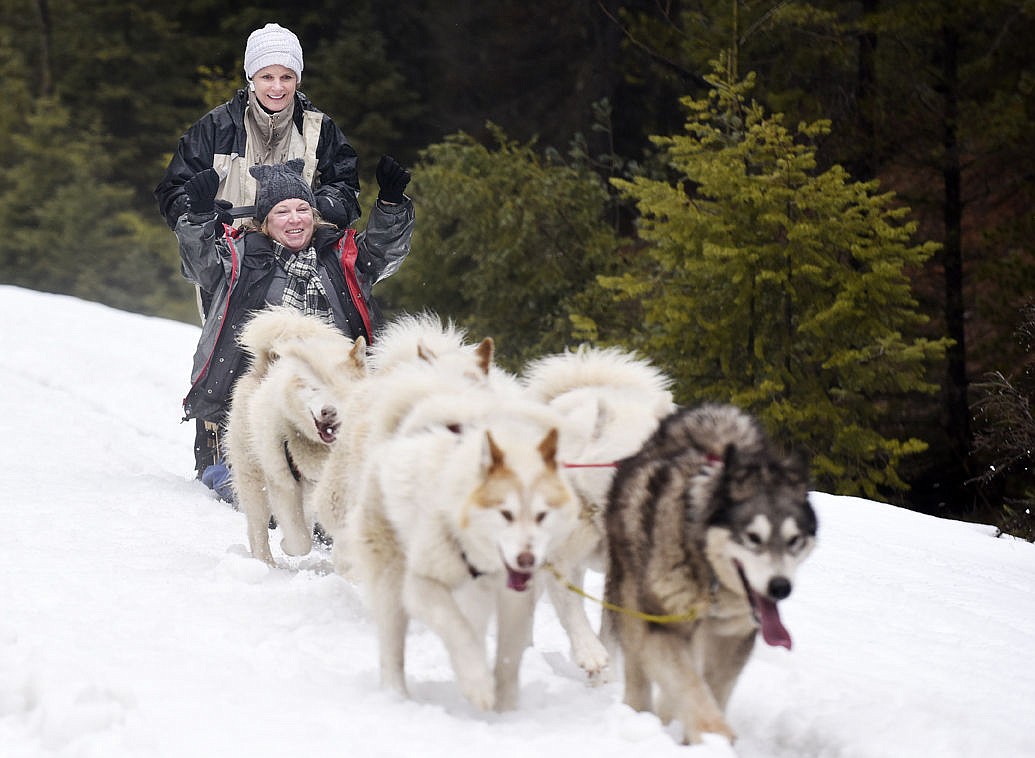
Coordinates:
(304,290)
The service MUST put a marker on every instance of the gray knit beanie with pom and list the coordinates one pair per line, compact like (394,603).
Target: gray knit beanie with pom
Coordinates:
(277,183)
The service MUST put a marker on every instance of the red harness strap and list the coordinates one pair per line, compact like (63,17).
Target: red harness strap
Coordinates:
(348,253)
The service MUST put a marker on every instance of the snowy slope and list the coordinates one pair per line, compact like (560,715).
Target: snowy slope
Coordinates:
(133,622)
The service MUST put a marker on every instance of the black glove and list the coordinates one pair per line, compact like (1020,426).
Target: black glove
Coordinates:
(392,179)
(222,209)
(331,209)
(201,191)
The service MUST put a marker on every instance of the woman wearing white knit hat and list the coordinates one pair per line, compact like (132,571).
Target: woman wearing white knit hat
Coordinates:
(273,65)
(272,45)
(267,122)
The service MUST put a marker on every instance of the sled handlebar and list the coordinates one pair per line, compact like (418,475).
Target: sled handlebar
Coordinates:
(242,211)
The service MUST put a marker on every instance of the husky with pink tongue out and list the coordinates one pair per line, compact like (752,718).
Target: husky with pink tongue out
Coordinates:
(455,517)
(706,526)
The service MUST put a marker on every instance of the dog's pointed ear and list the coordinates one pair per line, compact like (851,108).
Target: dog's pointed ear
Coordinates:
(548,449)
(494,457)
(484,353)
(796,467)
(358,353)
(425,353)
(738,469)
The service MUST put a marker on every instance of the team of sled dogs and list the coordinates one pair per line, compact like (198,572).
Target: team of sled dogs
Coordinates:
(454,490)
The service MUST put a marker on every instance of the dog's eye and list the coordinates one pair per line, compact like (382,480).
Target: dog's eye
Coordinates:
(507,516)
(794,544)
(754,541)
(540,517)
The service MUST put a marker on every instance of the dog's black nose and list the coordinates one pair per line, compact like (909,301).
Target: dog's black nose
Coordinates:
(779,587)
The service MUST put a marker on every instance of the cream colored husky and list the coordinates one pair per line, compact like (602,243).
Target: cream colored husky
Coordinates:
(285,416)
(414,357)
(454,521)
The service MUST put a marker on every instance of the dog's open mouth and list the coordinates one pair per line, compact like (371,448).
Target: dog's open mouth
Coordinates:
(328,432)
(766,614)
(518,580)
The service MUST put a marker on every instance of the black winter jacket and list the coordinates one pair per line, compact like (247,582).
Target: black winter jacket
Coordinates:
(221,131)
(240,274)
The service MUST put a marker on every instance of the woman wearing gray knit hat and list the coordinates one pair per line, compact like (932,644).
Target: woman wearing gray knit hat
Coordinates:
(292,258)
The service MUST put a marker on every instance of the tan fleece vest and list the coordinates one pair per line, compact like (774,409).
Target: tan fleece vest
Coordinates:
(238,186)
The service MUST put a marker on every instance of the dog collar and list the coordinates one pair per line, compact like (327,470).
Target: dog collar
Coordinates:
(291,463)
(475,573)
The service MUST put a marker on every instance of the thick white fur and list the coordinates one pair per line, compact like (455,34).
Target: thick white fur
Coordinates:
(611,401)
(409,335)
(466,491)
(286,411)
(414,357)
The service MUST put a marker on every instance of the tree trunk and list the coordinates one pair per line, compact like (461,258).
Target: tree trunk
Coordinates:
(46,76)
(867,164)
(957,410)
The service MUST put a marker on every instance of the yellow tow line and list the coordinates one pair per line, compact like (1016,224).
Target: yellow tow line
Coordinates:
(671,618)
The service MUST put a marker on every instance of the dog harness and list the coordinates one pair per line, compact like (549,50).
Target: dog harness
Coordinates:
(292,467)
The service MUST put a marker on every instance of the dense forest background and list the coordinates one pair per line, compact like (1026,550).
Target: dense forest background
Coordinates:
(821,210)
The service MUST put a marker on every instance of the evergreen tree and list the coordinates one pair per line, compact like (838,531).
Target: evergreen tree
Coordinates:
(368,97)
(806,56)
(507,241)
(117,68)
(1005,436)
(71,228)
(779,287)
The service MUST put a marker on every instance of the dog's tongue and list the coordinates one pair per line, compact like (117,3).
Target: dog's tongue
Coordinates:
(517,580)
(773,631)
(327,432)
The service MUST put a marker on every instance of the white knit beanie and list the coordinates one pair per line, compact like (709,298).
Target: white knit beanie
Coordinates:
(272,45)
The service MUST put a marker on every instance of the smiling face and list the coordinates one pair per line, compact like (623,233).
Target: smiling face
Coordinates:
(290,222)
(275,86)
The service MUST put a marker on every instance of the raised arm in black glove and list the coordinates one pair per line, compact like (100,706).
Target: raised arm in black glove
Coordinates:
(201,199)
(201,191)
(392,178)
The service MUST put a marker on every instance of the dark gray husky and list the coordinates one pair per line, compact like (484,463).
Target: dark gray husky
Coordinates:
(706,525)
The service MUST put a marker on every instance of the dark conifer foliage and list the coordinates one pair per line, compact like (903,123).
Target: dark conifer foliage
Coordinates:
(932,100)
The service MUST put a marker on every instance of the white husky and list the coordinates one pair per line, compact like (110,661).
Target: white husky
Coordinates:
(453,520)
(414,357)
(611,401)
(285,415)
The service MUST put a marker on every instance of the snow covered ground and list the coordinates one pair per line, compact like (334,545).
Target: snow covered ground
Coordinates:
(134,623)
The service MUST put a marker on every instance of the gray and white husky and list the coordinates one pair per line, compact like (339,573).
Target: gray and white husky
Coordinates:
(706,526)
(611,401)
